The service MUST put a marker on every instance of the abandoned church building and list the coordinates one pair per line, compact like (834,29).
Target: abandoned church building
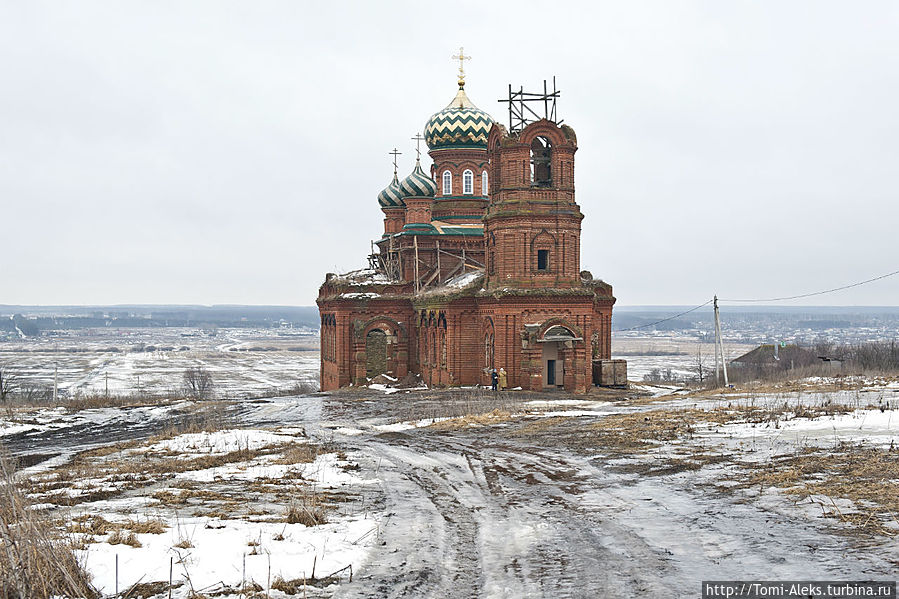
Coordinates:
(478,266)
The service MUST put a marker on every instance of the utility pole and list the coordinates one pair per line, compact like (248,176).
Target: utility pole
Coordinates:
(107,385)
(55,382)
(719,346)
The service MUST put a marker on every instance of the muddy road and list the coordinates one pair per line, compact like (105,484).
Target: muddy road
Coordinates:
(523,507)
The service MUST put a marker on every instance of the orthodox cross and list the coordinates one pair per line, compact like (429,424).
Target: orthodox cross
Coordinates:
(395,153)
(418,139)
(461,58)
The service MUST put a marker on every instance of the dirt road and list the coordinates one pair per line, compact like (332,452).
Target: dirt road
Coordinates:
(517,510)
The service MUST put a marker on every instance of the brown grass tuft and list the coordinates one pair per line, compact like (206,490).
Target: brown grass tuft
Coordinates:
(307,510)
(35,562)
(148,526)
(494,417)
(298,453)
(120,537)
(866,476)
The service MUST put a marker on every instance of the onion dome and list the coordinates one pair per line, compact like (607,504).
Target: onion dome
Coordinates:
(390,196)
(418,184)
(459,125)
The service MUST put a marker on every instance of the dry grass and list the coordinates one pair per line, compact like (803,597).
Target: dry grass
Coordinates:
(298,453)
(146,590)
(643,430)
(487,419)
(866,476)
(541,426)
(307,510)
(105,474)
(151,526)
(120,537)
(297,586)
(35,561)
(91,525)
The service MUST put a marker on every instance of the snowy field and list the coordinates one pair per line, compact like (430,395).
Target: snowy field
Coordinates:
(647,351)
(420,493)
(424,497)
(242,362)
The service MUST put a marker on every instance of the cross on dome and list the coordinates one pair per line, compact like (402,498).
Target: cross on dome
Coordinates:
(395,153)
(418,139)
(461,58)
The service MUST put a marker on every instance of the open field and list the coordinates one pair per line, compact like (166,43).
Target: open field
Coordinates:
(459,492)
(151,362)
(469,493)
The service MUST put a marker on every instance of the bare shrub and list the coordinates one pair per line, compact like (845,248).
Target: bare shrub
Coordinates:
(7,386)
(198,383)
(35,562)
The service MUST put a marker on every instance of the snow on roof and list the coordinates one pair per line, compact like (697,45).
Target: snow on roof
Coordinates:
(364,276)
(466,279)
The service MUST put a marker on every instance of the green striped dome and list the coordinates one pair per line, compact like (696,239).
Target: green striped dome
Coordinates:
(459,125)
(391,196)
(418,184)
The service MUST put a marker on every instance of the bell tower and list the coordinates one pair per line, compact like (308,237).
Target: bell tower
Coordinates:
(532,227)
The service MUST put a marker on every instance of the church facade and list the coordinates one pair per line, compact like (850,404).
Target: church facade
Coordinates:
(478,267)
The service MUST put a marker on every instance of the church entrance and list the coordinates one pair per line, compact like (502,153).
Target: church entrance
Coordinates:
(375,353)
(555,342)
(552,365)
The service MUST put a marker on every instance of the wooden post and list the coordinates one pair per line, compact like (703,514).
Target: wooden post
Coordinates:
(439,278)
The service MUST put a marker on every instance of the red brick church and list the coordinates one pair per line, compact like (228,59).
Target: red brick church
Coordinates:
(478,266)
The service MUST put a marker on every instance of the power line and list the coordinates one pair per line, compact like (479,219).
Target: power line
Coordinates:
(792,297)
(643,326)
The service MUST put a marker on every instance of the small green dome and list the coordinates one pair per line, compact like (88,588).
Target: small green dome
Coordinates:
(390,196)
(459,125)
(418,184)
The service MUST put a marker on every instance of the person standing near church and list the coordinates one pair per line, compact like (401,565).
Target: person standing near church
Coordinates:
(503,381)
(494,379)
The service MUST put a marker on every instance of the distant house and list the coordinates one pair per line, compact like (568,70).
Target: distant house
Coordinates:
(772,356)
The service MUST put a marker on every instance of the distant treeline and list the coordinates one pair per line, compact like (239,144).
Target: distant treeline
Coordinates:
(627,321)
(880,356)
(201,317)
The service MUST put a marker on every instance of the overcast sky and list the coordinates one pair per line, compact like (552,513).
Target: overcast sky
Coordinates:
(232,152)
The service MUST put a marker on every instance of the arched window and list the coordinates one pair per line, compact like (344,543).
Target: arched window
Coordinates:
(484,186)
(541,162)
(447,183)
(468,182)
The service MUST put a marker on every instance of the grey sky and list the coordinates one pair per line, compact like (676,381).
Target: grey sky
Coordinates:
(224,152)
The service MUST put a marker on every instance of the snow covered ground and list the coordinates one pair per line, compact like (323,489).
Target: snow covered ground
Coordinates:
(242,362)
(646,494)
(215,507)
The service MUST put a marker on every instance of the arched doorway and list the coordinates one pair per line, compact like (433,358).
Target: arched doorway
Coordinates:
(375,353)
(555,340)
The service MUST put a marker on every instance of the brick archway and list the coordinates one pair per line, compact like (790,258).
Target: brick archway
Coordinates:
(563,359)
(380,347)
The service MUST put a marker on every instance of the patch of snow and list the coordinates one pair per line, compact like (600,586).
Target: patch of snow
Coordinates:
(223,441)
(384,388)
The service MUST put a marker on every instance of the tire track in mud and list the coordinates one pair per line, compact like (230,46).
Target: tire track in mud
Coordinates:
(475,518)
